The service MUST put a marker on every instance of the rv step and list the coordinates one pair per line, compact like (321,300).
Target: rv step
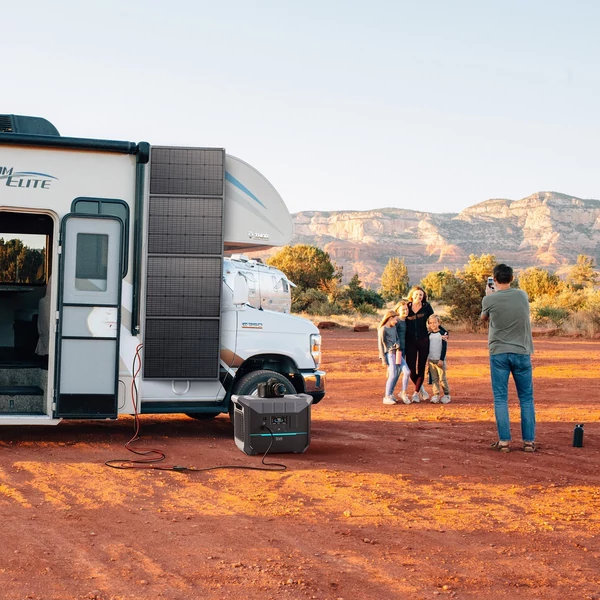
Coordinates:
(21,390)
(28,377)
(22,399)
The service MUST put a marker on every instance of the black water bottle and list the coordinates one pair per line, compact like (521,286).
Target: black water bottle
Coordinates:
(578,436)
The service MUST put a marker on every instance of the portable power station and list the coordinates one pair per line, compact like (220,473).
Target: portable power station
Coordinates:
(283,422)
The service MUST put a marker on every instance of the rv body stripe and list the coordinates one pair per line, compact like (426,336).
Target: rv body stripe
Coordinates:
(229,177)
(20,173)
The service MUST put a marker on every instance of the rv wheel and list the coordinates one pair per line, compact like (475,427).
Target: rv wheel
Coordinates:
(248,384)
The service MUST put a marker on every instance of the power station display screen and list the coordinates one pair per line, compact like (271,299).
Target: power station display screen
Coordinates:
(279,420)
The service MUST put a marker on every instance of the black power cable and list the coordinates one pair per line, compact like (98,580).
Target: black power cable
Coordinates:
(153,456)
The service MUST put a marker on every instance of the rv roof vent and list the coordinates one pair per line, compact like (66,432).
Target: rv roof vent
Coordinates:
(5,124)
(240,257)
(27,125)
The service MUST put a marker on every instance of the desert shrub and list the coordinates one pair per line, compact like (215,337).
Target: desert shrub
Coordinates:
(303,299)
(364,308)
(307,266)
(435,282)
(356,294)
(544,315)
(591,305)
(582,322)
(373,298)
(583,273)
(326,308)
(537,282)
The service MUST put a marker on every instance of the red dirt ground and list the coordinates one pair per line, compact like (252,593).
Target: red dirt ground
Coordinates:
(388,501)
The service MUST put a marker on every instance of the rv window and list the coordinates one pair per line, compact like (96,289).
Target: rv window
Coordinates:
(104,206)
(91,263)
(281,285)
(22,259)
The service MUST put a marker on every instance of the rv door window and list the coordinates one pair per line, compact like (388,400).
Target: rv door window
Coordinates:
(91,262)
(106,206)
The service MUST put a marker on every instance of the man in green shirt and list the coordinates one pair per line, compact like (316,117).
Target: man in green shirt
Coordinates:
(511,345)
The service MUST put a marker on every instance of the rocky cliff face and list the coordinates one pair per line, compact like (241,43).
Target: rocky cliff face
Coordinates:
(546,229)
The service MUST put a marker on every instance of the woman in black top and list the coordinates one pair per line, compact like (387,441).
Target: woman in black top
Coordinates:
(417,339)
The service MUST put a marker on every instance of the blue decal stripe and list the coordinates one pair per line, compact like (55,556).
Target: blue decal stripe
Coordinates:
(229,177)
(33,173)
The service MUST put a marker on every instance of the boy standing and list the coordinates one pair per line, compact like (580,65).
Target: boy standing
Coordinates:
(437,361)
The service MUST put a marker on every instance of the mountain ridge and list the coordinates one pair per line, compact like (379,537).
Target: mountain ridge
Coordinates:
(545,229)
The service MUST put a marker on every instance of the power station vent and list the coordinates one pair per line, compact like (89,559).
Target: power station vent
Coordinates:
(6,124)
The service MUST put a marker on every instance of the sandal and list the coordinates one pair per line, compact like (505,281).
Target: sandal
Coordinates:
(500,446)
(529,446)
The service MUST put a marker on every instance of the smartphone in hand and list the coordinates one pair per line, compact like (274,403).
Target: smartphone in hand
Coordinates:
(490,282)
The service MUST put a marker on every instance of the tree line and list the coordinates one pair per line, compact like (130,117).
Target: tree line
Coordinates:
(553,300)
(20,264)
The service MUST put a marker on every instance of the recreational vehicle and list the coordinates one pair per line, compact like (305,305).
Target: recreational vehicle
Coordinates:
(123,284)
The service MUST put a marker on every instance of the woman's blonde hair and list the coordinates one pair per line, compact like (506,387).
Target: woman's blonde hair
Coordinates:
(416,288)
(390,314)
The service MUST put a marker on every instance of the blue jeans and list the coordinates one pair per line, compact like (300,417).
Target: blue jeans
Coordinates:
(403,367)
(501,366)
(393,372)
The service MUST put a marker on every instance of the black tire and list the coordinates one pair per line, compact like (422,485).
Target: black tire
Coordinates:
(203,416)
(248,384)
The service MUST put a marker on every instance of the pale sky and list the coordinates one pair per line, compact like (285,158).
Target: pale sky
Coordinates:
(342,105)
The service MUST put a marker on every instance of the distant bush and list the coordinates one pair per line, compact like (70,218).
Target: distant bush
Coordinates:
(544,315)
(366,309)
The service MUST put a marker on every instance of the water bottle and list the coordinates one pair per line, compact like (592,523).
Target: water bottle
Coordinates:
(578,436)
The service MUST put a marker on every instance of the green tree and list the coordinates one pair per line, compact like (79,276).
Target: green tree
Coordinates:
(358,296)
(394,280)
(537,282)
(19,263)
(306,266)
(583,273)
(479,268)
(464,293)
(355,289)
(435,282)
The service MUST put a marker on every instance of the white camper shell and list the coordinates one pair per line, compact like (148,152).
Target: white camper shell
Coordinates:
(118,291)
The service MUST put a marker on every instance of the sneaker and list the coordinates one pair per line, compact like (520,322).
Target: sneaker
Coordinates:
(501,446)
(435,399)
(529,446)
(393,397)
(404,397)
(415,398)
(424,394)
(445,399)
(389,400)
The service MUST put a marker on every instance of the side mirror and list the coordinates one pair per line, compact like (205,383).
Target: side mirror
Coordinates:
(240,290)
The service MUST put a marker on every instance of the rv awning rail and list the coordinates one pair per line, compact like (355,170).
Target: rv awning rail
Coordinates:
(46,141)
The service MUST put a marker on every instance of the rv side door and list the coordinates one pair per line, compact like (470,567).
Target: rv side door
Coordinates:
(89,307)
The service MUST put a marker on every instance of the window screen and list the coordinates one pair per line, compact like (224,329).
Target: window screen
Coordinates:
(107,206)
(91,262)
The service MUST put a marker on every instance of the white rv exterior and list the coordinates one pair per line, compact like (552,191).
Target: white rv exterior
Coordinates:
(135,304)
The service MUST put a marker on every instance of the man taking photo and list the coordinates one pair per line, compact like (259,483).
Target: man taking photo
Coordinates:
(511,346)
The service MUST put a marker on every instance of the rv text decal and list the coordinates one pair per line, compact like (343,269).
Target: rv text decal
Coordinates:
(25,179)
